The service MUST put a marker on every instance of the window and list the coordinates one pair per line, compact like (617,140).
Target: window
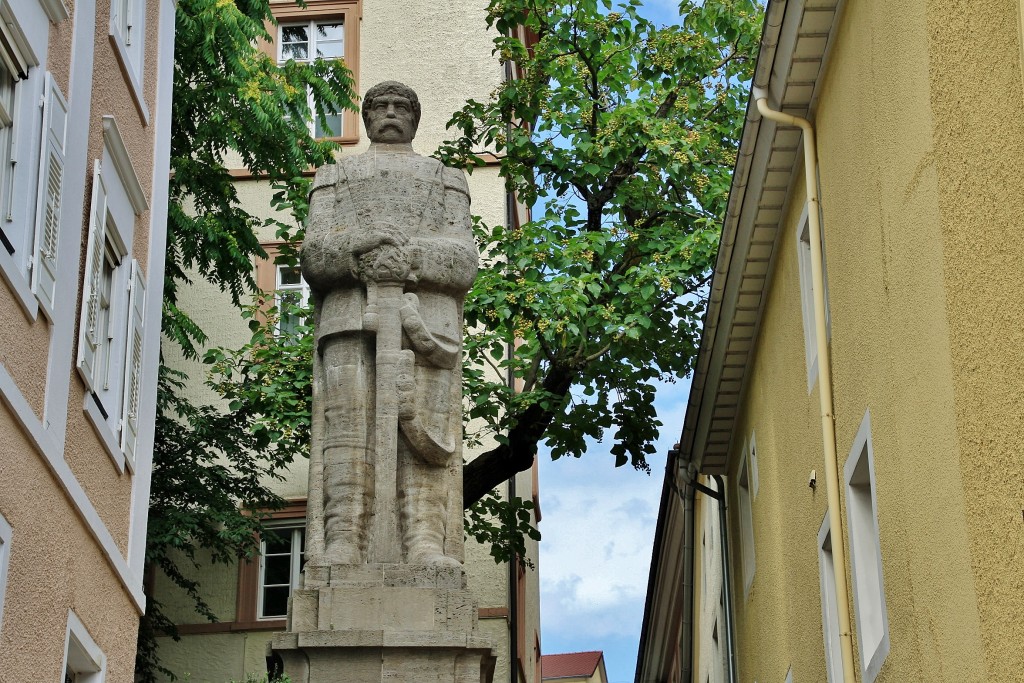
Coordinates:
(262,590)
(829,607)
(113,302)
(127,35)
(284,281)
(866,554)
(310,41)
(807,297)
(293,289)
(84,662)
(5,556)
(282,557)
(8,82)
(746,529)
(753,465)
(324,29)
(32,151)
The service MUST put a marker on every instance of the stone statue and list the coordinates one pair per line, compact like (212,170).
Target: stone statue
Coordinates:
(389,254)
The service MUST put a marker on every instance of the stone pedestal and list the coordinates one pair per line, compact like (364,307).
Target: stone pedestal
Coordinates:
(376,623)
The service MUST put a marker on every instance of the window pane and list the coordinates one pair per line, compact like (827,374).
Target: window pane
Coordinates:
(334,121)
(277,541)
(331,31)
(275,602)
(277,570)
(330,49)
(296,51)
(294,34)
(289,275)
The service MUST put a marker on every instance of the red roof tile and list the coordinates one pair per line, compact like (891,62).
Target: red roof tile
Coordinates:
(569,664)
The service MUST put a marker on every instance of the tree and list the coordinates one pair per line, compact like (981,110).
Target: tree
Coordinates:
(624,134)
(212,464)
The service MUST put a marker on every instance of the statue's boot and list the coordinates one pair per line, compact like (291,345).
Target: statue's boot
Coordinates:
(423,512)
(347,500)
(348,470)
(346,510)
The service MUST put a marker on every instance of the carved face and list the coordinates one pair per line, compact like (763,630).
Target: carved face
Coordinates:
(390,119)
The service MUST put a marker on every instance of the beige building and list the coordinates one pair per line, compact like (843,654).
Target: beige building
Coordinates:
(575,667)
(85,92)
(446,65)
(865,408)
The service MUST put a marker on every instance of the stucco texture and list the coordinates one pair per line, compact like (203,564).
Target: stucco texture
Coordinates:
(975,74)
(890,338)
(927,303)
(55,566)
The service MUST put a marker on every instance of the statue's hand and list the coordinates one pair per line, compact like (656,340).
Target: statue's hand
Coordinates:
(365,242)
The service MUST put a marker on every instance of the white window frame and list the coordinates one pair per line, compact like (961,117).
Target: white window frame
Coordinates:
(128,35)
(310,25)
(81,654)
(803,246)
(866,553)
(110,367)
(829,605)
(302,288)
(748,558)
(297,529)
(5,557)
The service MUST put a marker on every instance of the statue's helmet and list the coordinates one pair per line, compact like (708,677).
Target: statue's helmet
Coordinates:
(392,88)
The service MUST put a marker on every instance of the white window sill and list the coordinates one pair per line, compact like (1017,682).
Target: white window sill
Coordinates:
(111,444)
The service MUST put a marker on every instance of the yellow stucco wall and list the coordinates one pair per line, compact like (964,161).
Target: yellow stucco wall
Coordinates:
(978,107)
(920,148)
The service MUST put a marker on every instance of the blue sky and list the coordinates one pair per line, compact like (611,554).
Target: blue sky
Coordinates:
(598,528)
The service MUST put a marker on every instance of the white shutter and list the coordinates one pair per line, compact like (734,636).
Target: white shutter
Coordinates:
(89,336)
(51,181)
(133,363)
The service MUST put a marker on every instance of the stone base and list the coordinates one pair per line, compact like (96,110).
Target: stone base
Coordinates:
(372,623)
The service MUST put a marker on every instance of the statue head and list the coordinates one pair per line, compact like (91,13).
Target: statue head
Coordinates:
(391,112)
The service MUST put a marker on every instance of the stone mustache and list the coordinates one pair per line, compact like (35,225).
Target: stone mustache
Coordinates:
(389,255)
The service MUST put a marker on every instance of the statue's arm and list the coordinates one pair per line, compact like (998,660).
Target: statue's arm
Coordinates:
(449,259)
(334,241)
(327,259)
